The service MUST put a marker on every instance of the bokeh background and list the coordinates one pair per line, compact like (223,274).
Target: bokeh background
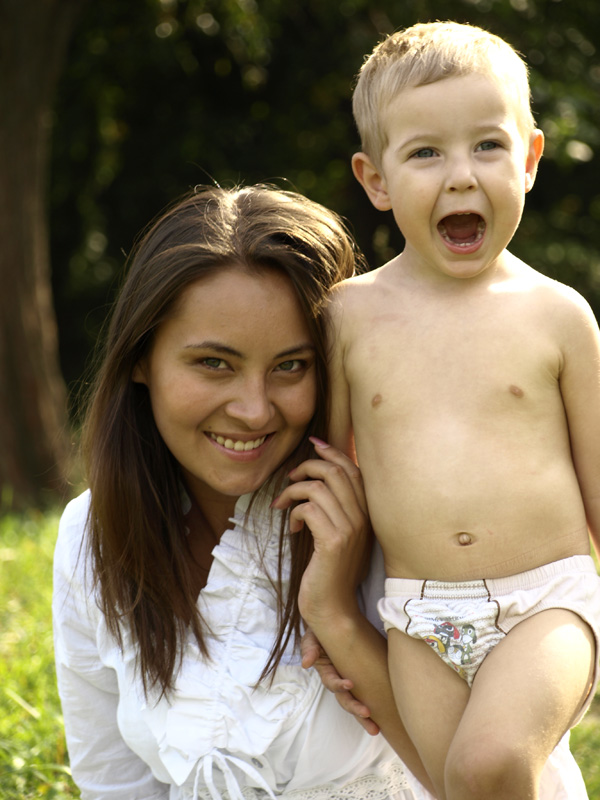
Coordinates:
(155,96)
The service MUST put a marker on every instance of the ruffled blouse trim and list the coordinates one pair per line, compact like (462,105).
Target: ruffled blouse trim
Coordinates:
(215,708)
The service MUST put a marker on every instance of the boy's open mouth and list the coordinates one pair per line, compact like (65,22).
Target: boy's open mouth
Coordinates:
(462,230)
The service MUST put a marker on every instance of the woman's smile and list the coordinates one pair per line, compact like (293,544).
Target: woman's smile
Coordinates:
(238,446)
(231,378)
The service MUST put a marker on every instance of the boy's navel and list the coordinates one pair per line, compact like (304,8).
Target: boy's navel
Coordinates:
(464,539)
(376,400)
(516,390)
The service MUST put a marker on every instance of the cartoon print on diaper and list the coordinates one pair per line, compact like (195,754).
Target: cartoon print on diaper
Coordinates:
(462,631)
(453,644)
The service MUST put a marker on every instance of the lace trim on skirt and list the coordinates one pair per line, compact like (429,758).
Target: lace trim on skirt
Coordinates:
(394,785)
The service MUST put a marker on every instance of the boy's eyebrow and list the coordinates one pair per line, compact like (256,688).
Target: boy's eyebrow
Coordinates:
(219,347)
(425,136)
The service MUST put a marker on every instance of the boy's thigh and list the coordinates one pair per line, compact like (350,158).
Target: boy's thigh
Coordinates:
(530,689)
(430,696)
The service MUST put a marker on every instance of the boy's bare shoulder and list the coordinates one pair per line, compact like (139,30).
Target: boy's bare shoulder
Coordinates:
(562,297)
(356,293)
(353,303)
(542,289)
(568,313)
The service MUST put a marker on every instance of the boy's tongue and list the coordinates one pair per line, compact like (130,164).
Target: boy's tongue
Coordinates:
(460,227)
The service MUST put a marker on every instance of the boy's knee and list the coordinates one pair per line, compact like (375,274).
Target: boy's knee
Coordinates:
(490,770)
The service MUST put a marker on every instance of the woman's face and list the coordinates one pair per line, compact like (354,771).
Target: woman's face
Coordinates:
(231,377)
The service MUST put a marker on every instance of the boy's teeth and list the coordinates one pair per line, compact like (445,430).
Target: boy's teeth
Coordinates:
(462,229)
(237,445)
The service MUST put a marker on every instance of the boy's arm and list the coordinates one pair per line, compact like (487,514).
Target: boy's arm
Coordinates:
(340,433)
(580,389)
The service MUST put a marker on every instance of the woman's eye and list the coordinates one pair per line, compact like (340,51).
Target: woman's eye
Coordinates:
(213,363)
(293,365)
(424,152)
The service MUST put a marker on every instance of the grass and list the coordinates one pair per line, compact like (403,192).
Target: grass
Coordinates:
(33,757)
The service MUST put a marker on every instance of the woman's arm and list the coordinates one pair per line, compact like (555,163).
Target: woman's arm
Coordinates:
(102,765)
(331,502)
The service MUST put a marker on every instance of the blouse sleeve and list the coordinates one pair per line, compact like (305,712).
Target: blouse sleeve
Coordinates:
(103,766)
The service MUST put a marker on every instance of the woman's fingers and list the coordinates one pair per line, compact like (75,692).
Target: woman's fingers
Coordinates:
(333,484)
(333,465)
(310,649)
(371,727)
(328,512)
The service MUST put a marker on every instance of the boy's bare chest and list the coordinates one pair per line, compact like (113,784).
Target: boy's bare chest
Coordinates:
(470,362)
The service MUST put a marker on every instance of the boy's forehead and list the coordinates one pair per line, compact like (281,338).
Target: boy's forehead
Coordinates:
(487,97)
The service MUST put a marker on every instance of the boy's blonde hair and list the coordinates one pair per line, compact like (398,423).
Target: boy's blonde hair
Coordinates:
(426,53)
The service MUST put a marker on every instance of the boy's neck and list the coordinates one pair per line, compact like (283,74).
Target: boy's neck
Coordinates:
(414,269)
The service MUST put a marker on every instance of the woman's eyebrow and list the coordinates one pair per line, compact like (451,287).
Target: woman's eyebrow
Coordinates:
(301,348)
(219,347)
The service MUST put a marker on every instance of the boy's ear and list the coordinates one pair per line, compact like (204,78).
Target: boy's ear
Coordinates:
(371,180)
(536,148)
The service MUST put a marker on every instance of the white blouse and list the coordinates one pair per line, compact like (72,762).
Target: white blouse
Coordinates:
(216,736)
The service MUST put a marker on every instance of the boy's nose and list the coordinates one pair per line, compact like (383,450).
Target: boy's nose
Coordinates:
(461,177)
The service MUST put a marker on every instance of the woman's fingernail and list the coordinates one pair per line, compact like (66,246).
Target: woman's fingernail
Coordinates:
(317,442)
(275,501)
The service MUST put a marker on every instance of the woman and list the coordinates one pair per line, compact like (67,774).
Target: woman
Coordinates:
(175,608)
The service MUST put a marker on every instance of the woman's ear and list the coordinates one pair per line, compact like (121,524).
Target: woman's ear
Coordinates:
(139,373)
(371,180)
(534,153)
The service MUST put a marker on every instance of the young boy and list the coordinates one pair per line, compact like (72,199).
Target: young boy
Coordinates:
(470,385)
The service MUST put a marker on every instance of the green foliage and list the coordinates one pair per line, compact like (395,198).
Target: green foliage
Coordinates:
(160,95)
(33,761)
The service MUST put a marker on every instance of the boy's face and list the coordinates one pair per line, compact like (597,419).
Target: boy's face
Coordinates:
(455,172)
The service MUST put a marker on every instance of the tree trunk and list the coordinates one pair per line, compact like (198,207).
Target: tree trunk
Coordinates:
(34,436)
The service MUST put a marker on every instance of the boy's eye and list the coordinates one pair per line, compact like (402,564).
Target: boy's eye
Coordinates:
(488,146)
(293,365)
(424,152)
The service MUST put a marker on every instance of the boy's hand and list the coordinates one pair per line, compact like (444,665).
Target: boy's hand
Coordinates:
(313,655)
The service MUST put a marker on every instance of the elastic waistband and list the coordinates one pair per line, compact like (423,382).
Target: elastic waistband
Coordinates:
(484,587)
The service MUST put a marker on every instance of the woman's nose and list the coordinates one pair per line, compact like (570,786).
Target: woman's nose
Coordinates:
(252,405)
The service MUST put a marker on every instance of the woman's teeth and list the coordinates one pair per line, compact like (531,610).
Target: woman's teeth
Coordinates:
(236,444)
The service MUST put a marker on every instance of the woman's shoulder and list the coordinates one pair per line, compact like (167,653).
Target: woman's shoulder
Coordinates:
(71,531)
(77,508)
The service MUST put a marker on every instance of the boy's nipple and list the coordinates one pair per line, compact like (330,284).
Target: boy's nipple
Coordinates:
(376,400)
(516,390)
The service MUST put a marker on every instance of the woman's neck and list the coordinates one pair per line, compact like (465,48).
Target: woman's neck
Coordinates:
(206,526)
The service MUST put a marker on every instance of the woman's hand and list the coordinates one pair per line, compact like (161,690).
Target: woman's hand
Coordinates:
(331,502)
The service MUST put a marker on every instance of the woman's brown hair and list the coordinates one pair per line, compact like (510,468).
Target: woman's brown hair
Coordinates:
(140,559)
